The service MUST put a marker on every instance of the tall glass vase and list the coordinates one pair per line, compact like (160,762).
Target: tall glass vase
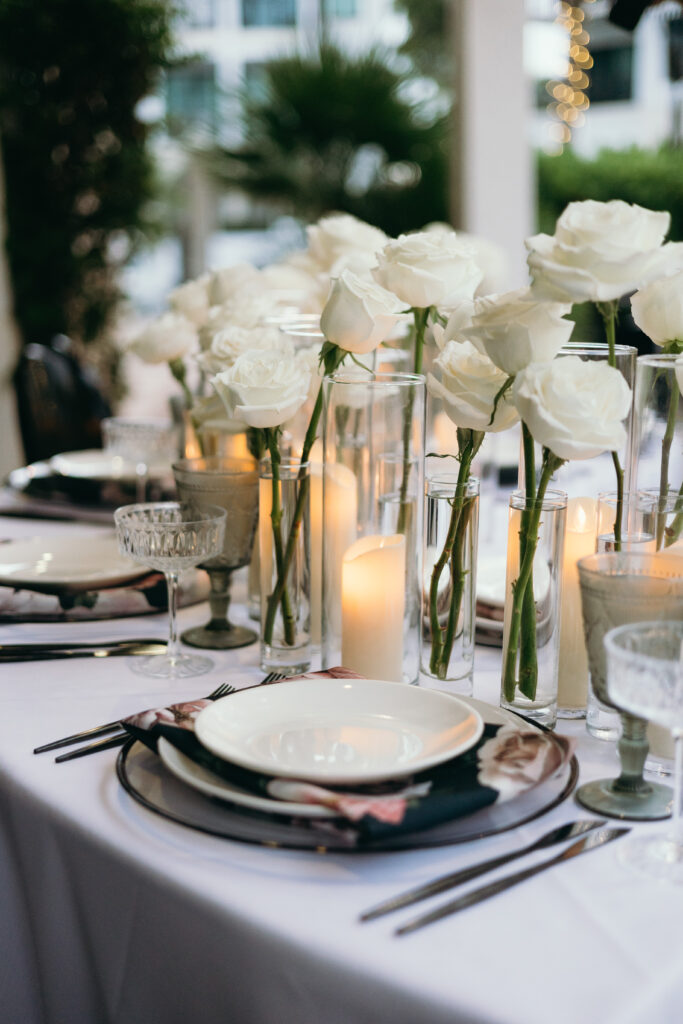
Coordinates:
(449,583)
(658,440)
(284,552)
(531,632)
(373,447)
(587,477)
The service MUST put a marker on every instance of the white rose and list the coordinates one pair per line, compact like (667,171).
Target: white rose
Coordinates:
(263,388)
(599,252)
(233,282)
(191,300)
(459,320)
(468,385)
(658,309)
(169,337)
(231,342)
(358,314)
(573,407)
(339,234)
(428,269)
(490,257)
(515,329)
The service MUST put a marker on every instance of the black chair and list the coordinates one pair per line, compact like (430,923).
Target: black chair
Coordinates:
(59,404)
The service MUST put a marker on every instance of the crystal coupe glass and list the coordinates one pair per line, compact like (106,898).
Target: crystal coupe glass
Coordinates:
(170,536)
(645,677)
(231,483)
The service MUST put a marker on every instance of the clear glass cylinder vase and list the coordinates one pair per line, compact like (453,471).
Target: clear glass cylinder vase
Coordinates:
(449,574)
(658,439)
(284,554)
(373,446)
(531,630)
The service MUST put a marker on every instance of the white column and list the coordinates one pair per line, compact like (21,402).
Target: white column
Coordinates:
(492,183)
(11,454)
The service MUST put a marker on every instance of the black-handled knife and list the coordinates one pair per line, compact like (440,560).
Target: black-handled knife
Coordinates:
(455,878)
(589,842)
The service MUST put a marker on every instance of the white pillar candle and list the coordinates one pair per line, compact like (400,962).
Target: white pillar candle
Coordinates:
(579,541)
(338,531)
(373,603)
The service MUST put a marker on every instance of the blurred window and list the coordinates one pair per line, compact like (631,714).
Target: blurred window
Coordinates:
(268,12)
(676,49)
(342,8)
(199,13)
(256,80)
(191,95)
(611,77)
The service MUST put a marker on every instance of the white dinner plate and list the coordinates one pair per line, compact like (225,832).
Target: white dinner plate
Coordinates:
(200,778)
(338,731)
(98,464)
(65,562)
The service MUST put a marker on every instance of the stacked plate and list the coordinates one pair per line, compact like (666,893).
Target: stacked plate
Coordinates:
(335,732)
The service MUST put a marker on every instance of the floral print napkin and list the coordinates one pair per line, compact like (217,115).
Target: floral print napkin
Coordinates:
(507,761)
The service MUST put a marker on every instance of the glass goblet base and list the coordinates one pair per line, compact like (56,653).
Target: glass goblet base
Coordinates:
(657,856)
(176,666)
(652,803)
(219,638)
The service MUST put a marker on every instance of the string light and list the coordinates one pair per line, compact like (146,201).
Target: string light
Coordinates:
(568,97)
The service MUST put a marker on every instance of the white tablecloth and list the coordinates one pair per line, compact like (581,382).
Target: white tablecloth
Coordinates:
(111,914)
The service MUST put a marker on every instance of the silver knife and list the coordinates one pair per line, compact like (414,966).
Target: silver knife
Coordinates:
(90,651)
(589,842)
(30,648)
(455,878)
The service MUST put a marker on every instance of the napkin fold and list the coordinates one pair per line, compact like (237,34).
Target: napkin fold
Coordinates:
(507,761)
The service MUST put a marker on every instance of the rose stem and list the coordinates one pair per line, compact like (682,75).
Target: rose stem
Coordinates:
(276,518)
(673,532)
(519,588)
(528,667)
(435,662)
(608,311)
(664,467)
(420,316)
(458,575)
(333,357)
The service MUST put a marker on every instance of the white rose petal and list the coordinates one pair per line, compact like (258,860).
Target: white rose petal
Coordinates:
(515,329)
(573,407)
(428,269)
(169,337)
(310,360)
(231,342)
(339,235)
(359,314)
(263,388)
(233,282)
(658,309)
(468,384)
(599,252)
(191,300)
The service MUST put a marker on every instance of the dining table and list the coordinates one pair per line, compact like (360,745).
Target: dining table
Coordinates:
(113,914)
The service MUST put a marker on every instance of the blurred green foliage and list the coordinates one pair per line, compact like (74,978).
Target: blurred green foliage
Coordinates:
(329,131)
(77,173)
(650,178)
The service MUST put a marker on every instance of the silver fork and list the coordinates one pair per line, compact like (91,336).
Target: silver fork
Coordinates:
(120,738)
